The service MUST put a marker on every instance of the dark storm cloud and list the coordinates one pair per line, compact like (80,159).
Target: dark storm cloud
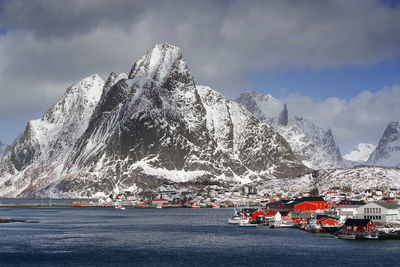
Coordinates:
(47,45)
(66,19)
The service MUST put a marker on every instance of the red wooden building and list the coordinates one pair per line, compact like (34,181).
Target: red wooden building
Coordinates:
(310,204)
(359,225)
(258,213)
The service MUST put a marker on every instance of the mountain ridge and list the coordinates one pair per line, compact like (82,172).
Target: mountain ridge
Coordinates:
(145,127)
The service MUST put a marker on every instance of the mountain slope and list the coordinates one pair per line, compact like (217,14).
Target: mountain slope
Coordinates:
(387,152)
(37,157)
(357,178)
(4,151)
(314,146)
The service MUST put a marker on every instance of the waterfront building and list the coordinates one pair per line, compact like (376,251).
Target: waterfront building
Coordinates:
(379,212)
(359,225)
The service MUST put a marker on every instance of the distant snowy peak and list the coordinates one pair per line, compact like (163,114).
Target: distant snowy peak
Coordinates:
(264,107)
(360,153)
(313,145)
(4,151)
(387,153)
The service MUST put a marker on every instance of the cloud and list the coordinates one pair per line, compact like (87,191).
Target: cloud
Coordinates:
(46,45)
(359,119)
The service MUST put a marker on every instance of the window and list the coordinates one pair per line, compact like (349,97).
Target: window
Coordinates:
(365,210)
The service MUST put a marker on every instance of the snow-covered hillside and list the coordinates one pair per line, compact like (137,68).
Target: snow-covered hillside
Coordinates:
(313,145)
(38,156)
(387,152)
(359,155)
(140,129)
(354,178)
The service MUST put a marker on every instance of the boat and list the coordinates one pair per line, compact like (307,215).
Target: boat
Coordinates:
(159,206)
(215,206)
(370,236)
(195,206)
(284,225)
(246,223)
(347,236)
(235,219)
(118,205)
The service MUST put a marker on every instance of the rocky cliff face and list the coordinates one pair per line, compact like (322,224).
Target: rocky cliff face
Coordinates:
(314,146)
(150,125)
(387,153)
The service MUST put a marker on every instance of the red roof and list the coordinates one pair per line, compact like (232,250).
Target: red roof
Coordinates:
(258,213)
(271,213)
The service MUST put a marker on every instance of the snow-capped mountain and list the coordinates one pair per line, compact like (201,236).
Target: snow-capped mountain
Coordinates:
(38,156)
(387,152)
(4,151)
(313,145)
(359,154)
(140,129)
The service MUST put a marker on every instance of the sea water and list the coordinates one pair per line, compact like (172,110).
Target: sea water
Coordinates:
(171,237)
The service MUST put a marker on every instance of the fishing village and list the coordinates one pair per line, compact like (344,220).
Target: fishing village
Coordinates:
(347,214)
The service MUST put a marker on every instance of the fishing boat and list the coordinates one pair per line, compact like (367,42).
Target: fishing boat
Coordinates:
(246,223)
(371,236)
(235,219)
(195,206)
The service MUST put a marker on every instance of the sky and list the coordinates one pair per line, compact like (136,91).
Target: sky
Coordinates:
(335,62)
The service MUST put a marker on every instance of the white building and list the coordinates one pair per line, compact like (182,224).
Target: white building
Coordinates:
(381,211)
(347,211)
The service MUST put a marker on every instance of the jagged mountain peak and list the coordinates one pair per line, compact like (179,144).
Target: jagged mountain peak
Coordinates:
(313,145)
(387,152)
(264,107)
(283,118)
(160,65)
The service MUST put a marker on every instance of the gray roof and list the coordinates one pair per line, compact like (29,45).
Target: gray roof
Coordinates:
(387,205)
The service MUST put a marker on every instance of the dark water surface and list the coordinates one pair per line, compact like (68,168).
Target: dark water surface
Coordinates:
(171,237)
